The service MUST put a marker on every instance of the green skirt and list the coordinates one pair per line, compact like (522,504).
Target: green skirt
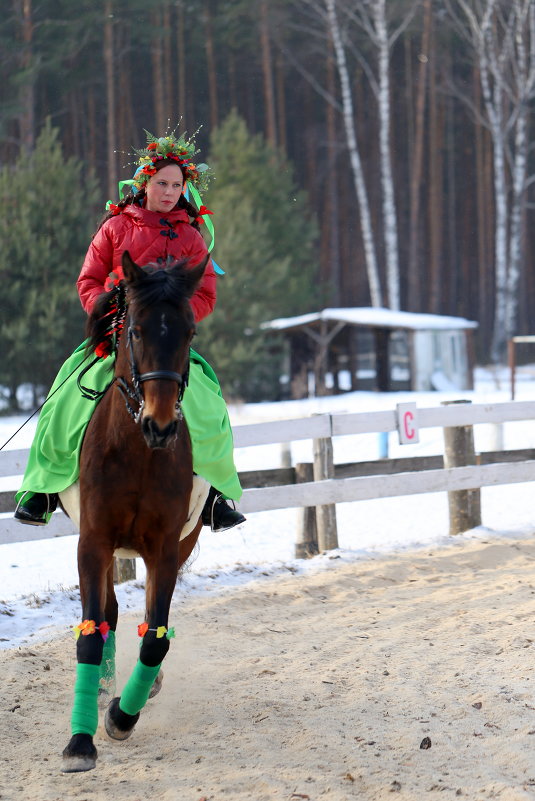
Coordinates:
(53,463)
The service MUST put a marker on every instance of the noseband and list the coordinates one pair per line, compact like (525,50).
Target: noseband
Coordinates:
(135,393)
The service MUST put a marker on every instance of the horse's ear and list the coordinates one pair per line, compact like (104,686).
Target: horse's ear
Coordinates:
(132,271)
(194,276)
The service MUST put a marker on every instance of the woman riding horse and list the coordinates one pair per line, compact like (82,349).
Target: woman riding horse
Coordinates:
(154,223)
(136,491)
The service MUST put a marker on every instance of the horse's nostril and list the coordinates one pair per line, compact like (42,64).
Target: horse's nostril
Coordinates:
(157,437)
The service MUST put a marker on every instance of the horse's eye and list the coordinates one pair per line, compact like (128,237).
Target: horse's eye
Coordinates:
(136,334)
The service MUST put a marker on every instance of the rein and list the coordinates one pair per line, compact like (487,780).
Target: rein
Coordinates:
(88,392)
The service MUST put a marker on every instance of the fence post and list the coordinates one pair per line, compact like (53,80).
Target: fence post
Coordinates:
(325,515)
(306,542)
(123,570)
(286,454)
(464,505)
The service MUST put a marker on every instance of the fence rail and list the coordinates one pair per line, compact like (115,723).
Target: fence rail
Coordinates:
(391,477)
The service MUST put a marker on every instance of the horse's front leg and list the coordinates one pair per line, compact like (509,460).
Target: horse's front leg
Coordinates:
(94,561)
(123,713)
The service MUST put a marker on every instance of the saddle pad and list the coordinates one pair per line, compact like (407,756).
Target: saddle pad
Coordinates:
(70,500)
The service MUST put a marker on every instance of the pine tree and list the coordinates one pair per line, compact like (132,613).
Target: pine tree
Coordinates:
(266,243)
(46,220)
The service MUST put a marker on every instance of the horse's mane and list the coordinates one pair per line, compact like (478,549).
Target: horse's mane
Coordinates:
(107,317)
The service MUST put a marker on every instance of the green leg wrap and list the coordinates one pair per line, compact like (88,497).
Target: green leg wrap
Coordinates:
(137,688)
(107,666)
(84,718)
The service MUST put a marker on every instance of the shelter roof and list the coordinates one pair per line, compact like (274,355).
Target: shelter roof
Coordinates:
(372,317)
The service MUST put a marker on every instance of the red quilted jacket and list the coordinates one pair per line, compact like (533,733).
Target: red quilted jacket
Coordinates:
(150,237)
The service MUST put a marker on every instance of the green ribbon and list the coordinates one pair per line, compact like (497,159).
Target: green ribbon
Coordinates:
(209,225)
(122,194)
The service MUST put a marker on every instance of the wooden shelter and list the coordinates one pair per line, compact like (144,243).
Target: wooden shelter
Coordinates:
(337,350)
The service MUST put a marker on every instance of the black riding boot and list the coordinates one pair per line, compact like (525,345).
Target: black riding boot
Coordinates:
(35,510)
(218,514)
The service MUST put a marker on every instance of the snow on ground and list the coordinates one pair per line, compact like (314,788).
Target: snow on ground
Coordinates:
(38,580)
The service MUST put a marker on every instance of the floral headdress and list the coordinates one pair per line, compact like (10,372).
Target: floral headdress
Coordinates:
(181,150)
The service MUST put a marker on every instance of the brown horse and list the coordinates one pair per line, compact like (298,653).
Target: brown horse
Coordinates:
(135,484)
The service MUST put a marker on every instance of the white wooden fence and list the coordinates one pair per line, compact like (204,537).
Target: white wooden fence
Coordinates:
(332,490)
(365,487)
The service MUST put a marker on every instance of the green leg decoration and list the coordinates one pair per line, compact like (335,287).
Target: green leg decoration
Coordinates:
(84,718)
(137,688)
(107,666)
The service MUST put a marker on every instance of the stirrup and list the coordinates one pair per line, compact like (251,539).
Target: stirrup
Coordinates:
(24,515)
(219,515)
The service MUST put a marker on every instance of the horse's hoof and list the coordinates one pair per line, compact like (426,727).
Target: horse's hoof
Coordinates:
(157,686)
(79,755)
(77,764)
(119,725)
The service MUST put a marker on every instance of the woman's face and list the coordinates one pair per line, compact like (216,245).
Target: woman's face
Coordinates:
(164,189)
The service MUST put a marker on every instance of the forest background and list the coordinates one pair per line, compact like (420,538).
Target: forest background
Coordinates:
(367,152)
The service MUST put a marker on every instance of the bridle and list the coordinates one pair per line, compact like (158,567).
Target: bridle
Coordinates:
(135,392)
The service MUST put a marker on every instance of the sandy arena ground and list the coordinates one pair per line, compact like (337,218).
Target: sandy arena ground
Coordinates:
(310,688)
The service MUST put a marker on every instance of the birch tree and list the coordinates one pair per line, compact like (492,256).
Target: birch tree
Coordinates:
(354,155)
(371,16)
(502,37)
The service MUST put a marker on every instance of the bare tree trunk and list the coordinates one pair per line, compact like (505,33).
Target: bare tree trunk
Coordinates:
(232,83)
(159,81)
(171,110)
(417,166)
(281,104)
(74,123)
(503,39)
(92,146)
(436,188)
(129,134)
(354,155)
(111,126)
(181,61)
(267,72)
(387,181)
(309,146)
(210,60)
(23,9)
(451,282)
(334,261)
(409,89)
(493,97)
(482,254)
(526,71)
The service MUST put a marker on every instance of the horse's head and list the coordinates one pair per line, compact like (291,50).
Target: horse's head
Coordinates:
(153,358)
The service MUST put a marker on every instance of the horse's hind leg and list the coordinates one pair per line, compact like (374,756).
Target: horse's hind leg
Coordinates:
(123,713)
(106,689)
(80,753)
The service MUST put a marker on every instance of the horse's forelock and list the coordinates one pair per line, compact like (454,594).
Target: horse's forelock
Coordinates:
(161,284)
